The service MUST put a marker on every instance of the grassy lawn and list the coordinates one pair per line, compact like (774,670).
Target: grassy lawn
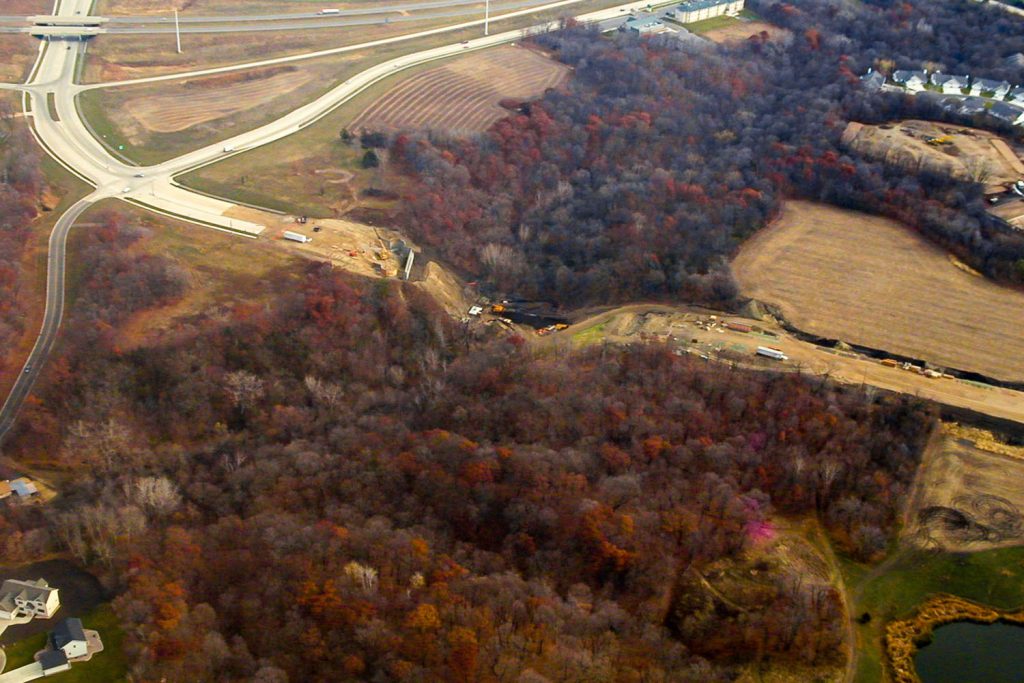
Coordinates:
(276,176)
(591,335)
(92,107)
(710,24)
(108,666)
(994,577)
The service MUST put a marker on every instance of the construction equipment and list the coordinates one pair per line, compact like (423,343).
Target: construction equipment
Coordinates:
(943,140)
(498,308)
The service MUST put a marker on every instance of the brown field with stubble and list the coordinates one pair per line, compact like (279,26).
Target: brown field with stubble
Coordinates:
(738,32)
(463,96)
(966,497)
(172,112)
(870,281)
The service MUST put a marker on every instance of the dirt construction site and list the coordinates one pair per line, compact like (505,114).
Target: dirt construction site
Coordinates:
(966,153)
(740,31)
(966,496)
(872,282)
(712,337)
(463,96)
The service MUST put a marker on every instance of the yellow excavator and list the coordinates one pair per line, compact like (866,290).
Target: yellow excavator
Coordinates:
(944,140)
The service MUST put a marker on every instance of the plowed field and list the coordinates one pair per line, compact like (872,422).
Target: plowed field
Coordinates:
(871,281)
(462,96)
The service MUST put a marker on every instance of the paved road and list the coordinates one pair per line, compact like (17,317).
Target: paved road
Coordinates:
(51,318)
(66,138)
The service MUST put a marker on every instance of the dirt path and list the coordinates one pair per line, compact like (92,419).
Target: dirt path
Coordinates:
(681,324)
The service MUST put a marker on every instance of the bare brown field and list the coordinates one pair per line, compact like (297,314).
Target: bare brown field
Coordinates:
(173,112)
(973,155)
(870,281)
(738,32)
(463,96)
(17,54)
(965,497)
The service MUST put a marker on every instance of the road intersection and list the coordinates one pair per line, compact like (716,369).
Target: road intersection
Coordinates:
(58,127)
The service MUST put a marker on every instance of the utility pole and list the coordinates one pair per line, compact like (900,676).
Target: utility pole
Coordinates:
(487,17)
(177,30)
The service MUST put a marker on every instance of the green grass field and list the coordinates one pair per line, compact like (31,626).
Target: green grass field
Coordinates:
(710,24)
(108,666)
(895,588)
(591,335)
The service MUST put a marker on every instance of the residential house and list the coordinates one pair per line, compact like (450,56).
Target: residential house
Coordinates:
(28,598)
(644,26)
(1008,113)
(1017,95)
(985,85)
(973,105)
(690,11)
(68,636)
(1016,59)
(53,662)
(24,488)
(913,81)
(951,84)
(872,80)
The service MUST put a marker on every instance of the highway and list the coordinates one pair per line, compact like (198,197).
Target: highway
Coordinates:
(66,138)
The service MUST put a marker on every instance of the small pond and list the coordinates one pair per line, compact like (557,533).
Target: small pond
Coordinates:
(965,652)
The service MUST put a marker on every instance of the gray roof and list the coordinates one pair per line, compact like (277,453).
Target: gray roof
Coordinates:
(1005,112)
(987,84)
(1016,59)
(973,105)
(638,22)
(691,5)
(873,80)
(904,75)
(942,79)
(68,631)
(52,659)
(26,590)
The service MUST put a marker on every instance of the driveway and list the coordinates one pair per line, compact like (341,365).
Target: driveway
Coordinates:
(29,672)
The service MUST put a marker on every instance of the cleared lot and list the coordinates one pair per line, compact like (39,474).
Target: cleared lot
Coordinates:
(870,281)
(463,96)
(964,152)
(966,497)
(740,31)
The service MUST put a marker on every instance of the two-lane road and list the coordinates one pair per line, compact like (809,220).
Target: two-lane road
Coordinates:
(51,317)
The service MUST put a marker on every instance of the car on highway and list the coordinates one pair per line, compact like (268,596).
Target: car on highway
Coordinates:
(140,175)
(28,368)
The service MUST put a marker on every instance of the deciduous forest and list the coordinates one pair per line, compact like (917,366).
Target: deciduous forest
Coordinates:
(643,175)
(344,486)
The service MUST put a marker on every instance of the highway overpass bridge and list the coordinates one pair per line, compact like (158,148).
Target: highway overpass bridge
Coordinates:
(73,27)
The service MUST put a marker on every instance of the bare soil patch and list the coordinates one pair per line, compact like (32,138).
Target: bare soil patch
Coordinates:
(738,32)
(203,102)
(966,497)
(970,153)
(870,281)
(462,96)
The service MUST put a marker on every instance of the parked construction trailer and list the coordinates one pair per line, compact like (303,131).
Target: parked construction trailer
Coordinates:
(769,352)
(737,327)
(296,237)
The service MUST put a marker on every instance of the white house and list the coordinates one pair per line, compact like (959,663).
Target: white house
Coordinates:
(69,637)
(1017,95)
(697,10)
(913,81)
(53,662)
(997,88)
(872,80)
(28,598)
(24,488)
(951,84)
